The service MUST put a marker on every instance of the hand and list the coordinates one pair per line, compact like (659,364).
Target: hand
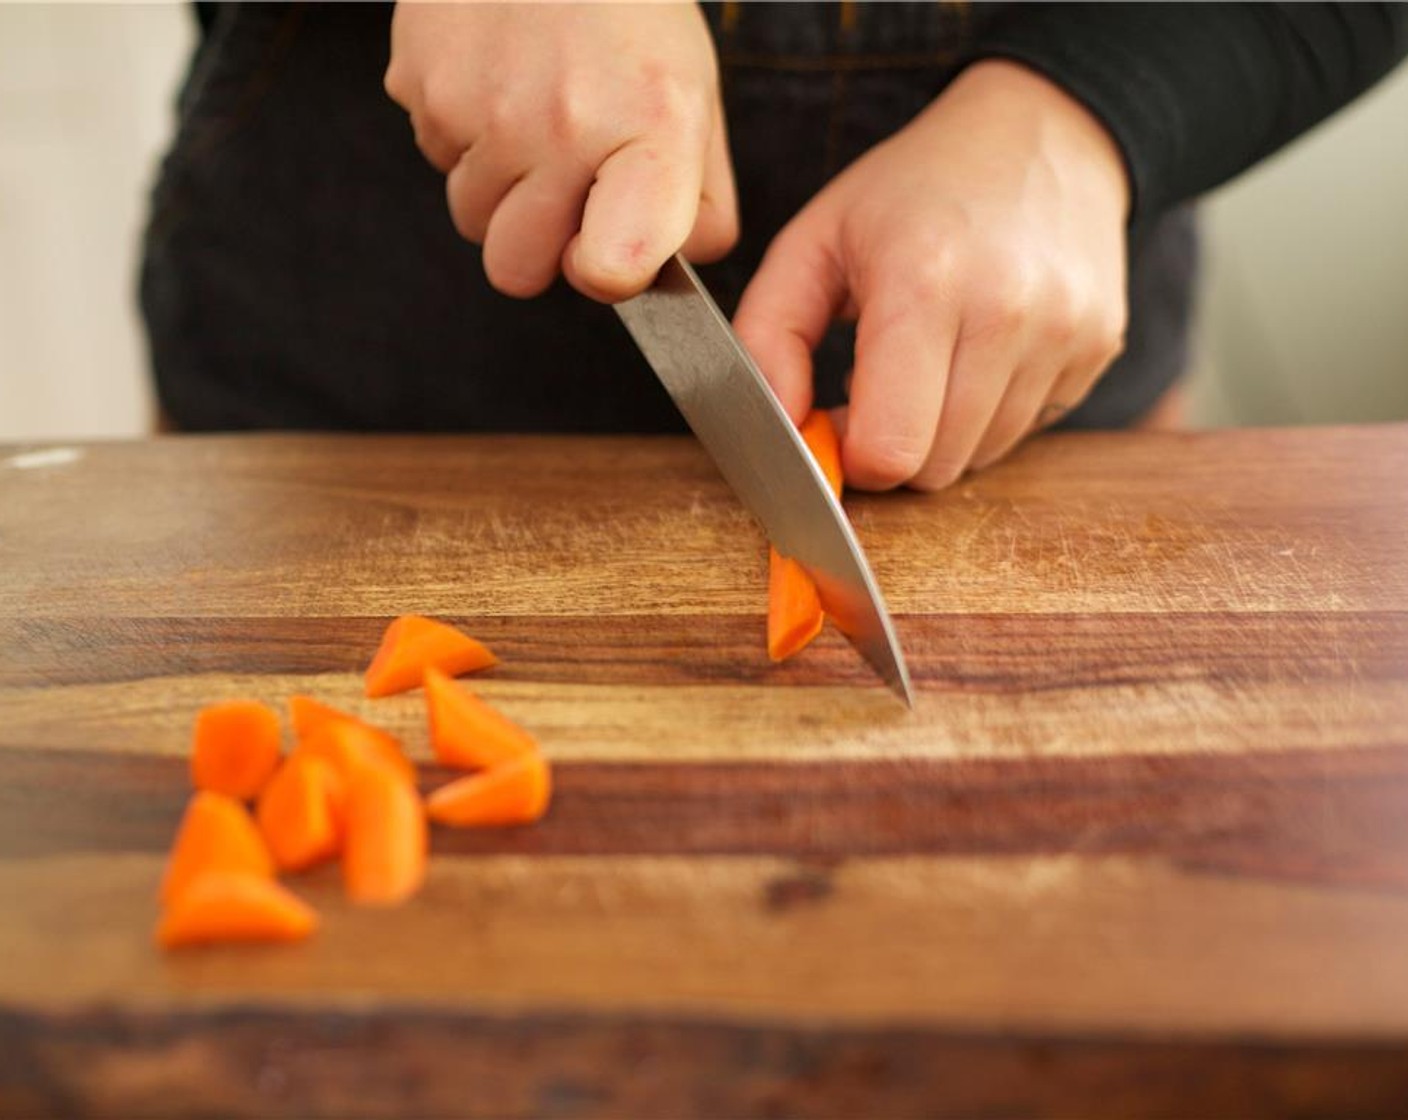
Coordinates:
(982,248)
(585,138)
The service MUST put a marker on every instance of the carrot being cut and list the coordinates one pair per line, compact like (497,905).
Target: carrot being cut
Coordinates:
(301,811)
(384,853)
(466,732)
(514,792)
(235,748)
(795,614)
(819,434)
(350,743)
(233,906)
(216,834)
(413,644)
(794,608)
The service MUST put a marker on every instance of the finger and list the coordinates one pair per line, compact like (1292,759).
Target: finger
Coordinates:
(786,308)
(475,186)
(530,229)
(1080,376)
(440,151)
(1027,394)
(715,229)
(638,212)
(904,350)
(985,361)
(994,342)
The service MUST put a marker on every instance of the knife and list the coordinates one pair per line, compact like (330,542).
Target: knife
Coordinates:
(742,425)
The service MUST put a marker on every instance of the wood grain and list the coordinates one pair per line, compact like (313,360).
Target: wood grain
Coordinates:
(1141,849)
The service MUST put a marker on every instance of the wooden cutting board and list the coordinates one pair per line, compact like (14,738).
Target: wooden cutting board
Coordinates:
(1141,847)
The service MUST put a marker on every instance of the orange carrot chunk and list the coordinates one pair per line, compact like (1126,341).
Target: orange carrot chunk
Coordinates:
(301,812)
(235,748)
(232,906)
(383,855)
(794,608)
(514,792)
(819,434)
(216,834)
(468,733)
(413,644)
(350,743)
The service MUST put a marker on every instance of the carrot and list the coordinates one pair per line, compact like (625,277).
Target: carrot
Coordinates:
(819,434)
(308,715)
(468,733)
(350,743)
(216,834)
(514,792)
(795,614)
(301,811)
(234,906)
(235,747)
(794,608)
(413,644)
(383,856)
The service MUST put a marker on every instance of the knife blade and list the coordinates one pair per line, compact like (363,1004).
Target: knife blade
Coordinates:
(734,412)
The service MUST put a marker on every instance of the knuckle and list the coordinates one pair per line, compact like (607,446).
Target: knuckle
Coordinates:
(499,119)
(1108,336)
(932,273)
(670,104)
(569,115)
(394,83)
(888,462)
(464,216)
(1064,313)
(439,107)
(1005,297)
(938,475)
(513,280)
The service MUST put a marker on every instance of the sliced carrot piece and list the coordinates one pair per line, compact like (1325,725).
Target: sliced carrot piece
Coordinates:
(514,792)
(413,644)
(819,434)
(308,715)
(795,614)
(233,906)
(384,853)
(235,748)
(794,608)
(350,743)
(216,834)
(301,811)
(468,733)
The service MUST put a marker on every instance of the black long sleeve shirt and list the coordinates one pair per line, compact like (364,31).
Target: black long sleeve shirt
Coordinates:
(1195,93)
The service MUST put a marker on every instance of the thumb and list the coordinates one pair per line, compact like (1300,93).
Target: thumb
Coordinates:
(786,308)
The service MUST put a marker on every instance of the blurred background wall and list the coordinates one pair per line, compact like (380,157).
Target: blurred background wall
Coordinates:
(1305,309)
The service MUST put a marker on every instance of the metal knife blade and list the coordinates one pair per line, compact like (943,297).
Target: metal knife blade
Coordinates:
(740,422)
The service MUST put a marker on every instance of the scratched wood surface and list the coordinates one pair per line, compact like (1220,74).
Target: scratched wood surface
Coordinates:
(1140,849)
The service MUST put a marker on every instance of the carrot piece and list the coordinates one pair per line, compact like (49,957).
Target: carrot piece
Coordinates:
(514,792)
(301,811)
(413,644)
(468,733)
(794,608)
(795,614)
(383,856)
(819,434)
(233,906)
(216,834)
(308,715)
(235,748)
(350,743)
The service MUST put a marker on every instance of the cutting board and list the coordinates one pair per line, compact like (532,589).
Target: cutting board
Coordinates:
(1141,846)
